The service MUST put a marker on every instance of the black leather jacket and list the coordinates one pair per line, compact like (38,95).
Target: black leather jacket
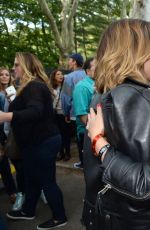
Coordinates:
(126,166)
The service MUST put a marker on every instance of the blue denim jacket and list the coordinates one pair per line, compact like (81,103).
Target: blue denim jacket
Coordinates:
(2,101)
(70,81)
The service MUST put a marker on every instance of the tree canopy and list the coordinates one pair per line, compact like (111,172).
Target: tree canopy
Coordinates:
(25,27)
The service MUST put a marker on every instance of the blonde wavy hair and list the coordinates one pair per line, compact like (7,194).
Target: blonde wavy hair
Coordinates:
(10,79)
(32,69)
(122,52)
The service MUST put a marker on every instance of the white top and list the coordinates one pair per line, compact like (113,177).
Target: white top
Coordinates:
(57,103)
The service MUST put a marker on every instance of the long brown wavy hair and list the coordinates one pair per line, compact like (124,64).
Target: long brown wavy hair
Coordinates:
(122,52)
(32,69)
(10,80)
(53,82)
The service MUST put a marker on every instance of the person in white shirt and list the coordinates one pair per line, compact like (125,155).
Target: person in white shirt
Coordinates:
(57,80)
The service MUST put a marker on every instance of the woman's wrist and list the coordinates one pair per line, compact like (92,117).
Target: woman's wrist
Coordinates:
(92,136)
(100,146)
(9,116)
(94,141)
(6,116)
(98,142)
(101,142)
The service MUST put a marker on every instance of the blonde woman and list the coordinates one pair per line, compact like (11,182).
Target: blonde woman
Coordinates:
(120,131)
(32,121)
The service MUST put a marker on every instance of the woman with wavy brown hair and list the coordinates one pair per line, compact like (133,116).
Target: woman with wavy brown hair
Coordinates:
(32,121)
(5,78)
(57,79)
(120,129)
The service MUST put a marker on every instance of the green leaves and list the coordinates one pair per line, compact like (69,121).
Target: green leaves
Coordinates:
(30,30)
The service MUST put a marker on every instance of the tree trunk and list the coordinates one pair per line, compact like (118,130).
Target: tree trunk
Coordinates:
(124,9)
(5,25)
(140,9)
(64,38)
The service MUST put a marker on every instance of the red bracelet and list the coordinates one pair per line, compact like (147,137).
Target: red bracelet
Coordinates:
(96,138)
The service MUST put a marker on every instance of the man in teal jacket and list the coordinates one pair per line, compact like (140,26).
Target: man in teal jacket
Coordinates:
(82,96)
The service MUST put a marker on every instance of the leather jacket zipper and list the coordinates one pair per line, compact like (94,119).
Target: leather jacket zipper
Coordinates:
(105,189)
(109,186)
(98,208)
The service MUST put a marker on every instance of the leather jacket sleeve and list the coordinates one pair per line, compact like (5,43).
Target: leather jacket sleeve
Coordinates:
(126,176)
(126,165)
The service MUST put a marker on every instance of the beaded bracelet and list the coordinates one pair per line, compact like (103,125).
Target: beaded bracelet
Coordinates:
(96,138)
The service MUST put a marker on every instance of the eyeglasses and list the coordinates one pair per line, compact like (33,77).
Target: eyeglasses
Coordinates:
(16,64)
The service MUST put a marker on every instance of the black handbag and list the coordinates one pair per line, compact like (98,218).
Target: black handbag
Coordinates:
(11,148)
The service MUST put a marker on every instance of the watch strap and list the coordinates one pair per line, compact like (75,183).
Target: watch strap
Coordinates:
(103,150)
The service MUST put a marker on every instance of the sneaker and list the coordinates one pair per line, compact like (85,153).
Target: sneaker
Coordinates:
(18,202)
(78,165)
(50,224)
(19,215)
(43,197)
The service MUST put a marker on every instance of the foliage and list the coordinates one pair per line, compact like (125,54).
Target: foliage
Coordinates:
(31,32)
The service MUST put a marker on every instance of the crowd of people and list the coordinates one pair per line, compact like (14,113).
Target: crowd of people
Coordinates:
(105,100)
(42,107)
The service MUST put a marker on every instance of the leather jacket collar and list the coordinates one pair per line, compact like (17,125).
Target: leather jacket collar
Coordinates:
(132,81)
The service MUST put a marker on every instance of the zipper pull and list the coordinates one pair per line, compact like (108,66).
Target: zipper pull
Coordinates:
(99,205)
(105,189)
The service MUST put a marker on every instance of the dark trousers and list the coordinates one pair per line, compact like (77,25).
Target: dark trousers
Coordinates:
(65,131)
(80,141)
(18,164)
(40,173)
(2,224)
(5,170)
(7,178)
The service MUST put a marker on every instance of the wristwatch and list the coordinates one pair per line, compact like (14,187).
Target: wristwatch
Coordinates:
(103,150)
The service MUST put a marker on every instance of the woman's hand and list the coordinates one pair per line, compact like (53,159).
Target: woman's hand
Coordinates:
(5,116)
(1,117)
(95,124)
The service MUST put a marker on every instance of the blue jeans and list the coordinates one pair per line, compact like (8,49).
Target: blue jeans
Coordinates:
(40,173)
